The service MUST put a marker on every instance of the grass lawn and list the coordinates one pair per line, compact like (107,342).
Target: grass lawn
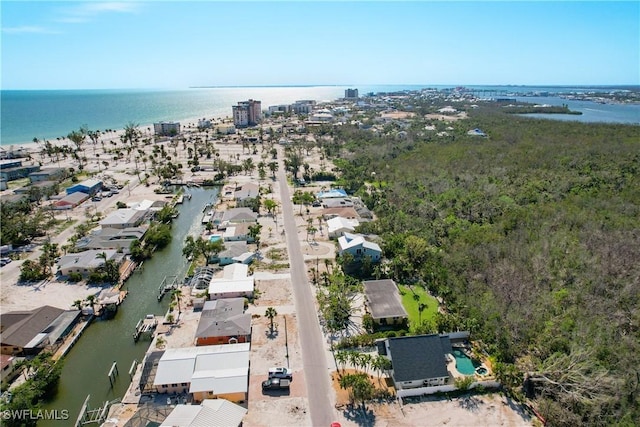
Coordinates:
(410,303)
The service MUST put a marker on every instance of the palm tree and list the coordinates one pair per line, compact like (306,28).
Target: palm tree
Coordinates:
(176,294)
(270,313)
(342,358)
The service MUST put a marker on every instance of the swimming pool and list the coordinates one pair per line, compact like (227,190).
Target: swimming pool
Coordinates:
(215,237)
(464,364)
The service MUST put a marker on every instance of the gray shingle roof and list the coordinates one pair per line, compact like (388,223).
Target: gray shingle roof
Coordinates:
(419,357)
(383,299)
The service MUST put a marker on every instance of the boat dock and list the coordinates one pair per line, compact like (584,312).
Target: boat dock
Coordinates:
(145,327)
(169,283)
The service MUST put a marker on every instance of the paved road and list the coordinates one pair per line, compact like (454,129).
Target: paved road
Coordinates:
(311,340)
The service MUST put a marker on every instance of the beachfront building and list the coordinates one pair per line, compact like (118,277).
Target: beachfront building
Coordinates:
(207,372)
(247,113)
(223,321)
(351,94)
(26,333)
(166,128)
(10,170)
(48,174)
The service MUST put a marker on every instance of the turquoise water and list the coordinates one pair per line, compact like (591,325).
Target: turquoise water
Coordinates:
(215,238)
(464,364)
(50,114)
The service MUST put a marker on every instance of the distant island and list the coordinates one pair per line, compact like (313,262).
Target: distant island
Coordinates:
(526,108)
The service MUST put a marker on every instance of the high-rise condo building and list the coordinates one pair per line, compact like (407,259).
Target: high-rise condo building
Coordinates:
(351,94)
(247,113)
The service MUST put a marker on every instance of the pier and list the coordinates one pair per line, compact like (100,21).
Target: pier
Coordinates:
(145,327)
(169,283)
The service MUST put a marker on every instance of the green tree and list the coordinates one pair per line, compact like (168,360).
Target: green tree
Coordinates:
(271,313)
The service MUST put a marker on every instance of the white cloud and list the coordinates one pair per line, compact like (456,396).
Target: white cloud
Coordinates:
(28,29)
(86,11)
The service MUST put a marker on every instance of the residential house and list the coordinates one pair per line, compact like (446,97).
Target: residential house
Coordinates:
(112,238)
(348,213)
(7,369)
(89,186)
(210,412)
(238,232)
(207,372)
(417,361)
(337,202)
(235,215)
(337,226)
(86,262)
(234,252)
(10,170)
(70,201)
(248,190)
(29,332)
(124,218)
(235,282)
(48,174)
(333,193)
(358,247)
(383,302)
(223,321)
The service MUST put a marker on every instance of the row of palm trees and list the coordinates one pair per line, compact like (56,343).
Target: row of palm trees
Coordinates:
(365,361)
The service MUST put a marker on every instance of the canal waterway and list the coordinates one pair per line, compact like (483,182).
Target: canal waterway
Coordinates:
(87,365)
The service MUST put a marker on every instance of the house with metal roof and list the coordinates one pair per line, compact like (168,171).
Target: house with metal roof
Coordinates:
(211,412)
(234,283)
(357,246)
(112,238)
(70,201)
(223,321)
(337,226)
(417,361)
(207,372)
(124,218)
(89,186)
(383,302)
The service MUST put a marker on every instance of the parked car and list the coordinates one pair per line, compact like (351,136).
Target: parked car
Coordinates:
(96,198)
(275,384)
(4,261)
(280,372)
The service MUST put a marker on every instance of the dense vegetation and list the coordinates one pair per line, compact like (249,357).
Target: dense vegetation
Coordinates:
(531,237)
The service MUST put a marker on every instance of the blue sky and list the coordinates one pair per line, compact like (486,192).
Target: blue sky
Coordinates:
(164,44)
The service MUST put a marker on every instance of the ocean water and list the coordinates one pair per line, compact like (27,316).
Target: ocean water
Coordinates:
(49,114)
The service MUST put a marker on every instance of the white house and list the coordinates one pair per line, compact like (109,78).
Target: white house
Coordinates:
(235,282)
(124,218)
(211,412)
(206,372)
(338,226)
(86,262)
(357,246)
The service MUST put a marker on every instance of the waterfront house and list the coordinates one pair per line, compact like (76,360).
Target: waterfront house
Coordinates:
(248,190)
(124,218)
(111,238)
(238,232)
(207,372)
(26,333)
(383,302)
(210,412)
(86,262)
(358,247)
(234,252)
(235,282)
(234,215)
(417,361)
(223,321)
